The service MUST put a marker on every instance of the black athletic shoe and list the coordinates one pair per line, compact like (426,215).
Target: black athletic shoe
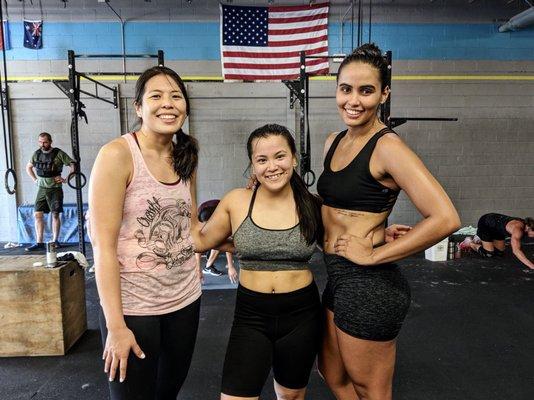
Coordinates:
(498,253)
(35,247)
(212,271)
(58,245)
(484,253)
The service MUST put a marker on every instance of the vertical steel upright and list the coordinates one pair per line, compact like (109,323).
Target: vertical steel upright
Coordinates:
(74,97)
(6,115)
(303,107)
(385,109)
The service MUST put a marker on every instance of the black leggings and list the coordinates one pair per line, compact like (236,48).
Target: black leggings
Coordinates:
(167,341)
(281,331)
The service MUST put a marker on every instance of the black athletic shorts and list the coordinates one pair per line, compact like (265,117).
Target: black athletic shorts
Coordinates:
(279,330)
(493,227)
(368,302)
(49,199)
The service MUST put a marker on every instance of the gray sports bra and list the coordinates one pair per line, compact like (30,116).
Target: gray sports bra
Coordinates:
(260,249)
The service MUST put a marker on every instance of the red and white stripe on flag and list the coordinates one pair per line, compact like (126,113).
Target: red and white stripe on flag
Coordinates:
(287,31)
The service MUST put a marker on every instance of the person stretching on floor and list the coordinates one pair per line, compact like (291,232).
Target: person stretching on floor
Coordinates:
(494,228)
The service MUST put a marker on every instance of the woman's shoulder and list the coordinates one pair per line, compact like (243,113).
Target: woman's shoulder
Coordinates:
(238,196)
(116,148)
(236,202)
(329,140)
(116,153)
(331,137)
(389,141)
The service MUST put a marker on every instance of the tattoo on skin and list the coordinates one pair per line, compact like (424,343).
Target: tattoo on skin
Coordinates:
(349,213)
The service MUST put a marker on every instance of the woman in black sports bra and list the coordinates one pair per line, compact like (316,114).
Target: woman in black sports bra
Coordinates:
(366,297)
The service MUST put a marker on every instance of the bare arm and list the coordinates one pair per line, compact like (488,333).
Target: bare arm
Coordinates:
(440,218)
(107,190)
(395,231)
(72,168)
(194,210)
(214,233)
(30,171)
(195,222)
(515,241)
(197,227)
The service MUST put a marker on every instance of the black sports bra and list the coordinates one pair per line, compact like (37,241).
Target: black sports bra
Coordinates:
(353,187)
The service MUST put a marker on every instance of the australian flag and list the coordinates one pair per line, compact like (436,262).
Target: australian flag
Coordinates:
(33,34)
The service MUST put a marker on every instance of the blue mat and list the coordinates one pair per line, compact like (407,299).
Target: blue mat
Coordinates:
(69,224)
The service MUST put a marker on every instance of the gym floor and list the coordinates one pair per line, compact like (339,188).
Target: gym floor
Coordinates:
(468,335)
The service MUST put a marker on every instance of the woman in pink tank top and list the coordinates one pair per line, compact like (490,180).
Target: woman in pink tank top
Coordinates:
(141,198)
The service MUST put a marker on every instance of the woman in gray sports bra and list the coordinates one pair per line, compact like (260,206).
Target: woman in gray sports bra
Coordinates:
(277,313)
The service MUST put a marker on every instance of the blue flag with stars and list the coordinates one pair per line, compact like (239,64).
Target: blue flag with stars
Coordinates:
(33,34)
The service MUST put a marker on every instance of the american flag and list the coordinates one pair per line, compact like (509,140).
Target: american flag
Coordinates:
(264,43)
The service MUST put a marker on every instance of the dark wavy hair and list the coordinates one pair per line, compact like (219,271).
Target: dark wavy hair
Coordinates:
(185,147)
(308,205)
(370,54)
(529,222)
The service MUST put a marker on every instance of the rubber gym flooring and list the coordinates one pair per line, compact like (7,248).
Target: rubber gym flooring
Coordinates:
(468,336)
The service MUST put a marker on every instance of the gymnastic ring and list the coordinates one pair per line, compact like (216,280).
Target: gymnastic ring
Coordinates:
(72,175)
(10,171)
(309,182)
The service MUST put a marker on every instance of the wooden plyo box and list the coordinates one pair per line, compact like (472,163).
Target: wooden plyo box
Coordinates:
(42,310)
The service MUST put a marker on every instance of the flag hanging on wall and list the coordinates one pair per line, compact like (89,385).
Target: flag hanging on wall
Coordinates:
(33,34)
(264,43)
(5,40)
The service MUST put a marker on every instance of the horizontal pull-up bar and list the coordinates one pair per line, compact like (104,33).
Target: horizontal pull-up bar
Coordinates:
(393,122)
(335,56)
(116,56)
(424,119)
(120,74)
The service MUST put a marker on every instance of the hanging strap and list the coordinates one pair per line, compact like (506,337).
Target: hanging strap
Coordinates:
(31,2)
(8,142)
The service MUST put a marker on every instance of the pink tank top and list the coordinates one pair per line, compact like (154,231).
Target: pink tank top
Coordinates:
(155,249)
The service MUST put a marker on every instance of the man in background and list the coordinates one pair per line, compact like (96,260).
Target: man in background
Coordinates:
(45,169)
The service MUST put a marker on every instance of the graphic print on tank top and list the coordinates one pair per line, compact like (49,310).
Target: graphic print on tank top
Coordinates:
(164,232)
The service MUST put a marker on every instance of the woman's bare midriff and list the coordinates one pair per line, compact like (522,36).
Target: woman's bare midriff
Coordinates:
(275,281)
(338,221)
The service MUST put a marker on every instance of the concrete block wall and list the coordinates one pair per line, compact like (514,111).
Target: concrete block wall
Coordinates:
(222,118)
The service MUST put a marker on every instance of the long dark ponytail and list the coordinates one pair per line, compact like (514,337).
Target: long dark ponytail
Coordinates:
(185,147)
(308,205)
